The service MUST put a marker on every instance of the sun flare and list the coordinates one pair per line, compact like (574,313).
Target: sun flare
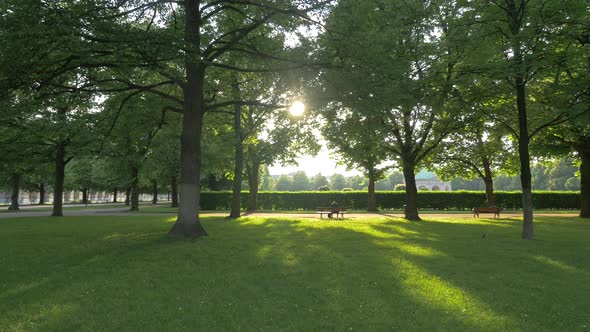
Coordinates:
(297,108)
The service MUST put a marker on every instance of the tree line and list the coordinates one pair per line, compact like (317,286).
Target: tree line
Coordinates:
(197,91)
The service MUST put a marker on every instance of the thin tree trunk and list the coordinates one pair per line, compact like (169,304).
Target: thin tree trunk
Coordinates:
(372,200)
(411,208)
(115,190)
(236,203)
(41,194)
(174,189)
(188,223)
(134,206)
(58,188)
(154,192)
(585,183)
(489,182)
(525,166)
(128,196)
(15,187)
(253,183)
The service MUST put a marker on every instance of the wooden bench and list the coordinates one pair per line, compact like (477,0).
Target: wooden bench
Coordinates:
(491,209)
(331,211)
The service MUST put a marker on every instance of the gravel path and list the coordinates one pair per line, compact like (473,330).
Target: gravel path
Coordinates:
(458,215)
(26,212)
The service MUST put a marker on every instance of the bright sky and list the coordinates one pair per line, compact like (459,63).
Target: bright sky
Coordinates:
(323,163)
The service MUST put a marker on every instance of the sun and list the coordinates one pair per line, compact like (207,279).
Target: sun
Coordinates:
(297,108)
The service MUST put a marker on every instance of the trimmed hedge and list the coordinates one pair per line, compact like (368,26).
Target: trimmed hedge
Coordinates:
(395,200)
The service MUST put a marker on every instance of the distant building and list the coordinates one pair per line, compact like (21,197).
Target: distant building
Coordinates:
(429,181)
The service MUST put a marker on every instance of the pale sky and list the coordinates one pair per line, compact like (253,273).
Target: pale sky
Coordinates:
(323,163)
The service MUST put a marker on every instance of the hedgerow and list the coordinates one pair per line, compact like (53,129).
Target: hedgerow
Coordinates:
(392,200)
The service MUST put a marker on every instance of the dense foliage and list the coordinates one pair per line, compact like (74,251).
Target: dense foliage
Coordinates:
(357,200)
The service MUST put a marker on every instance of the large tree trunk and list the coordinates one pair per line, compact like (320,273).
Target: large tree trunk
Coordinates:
(514,11)
(15,187)
(488,180)
(58,188)
(372,202)
(174,193)
(85,196)
(253,183)
(585,183)
(188,223)
(411,208)
(134,189)
(41,194)
(525,164)
(236,202)
(154,192)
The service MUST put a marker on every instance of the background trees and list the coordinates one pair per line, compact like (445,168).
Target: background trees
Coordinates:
(408,84)
(393,66)
(519,42)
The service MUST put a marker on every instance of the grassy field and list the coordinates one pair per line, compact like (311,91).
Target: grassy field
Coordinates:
(49,207)
(165,208)
(253,274)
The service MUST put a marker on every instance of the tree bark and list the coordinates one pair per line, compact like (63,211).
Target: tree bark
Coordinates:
(58,188)
(515,16)
(15,187)
(128,196)
(411,207)
(188,223)
(174,189)
(372,201)
(154,192)
(134,206)
(525,166)
(236,202)
(488,180)
(115,190)
(585,183)
(253,183)
(85,196)
(41,194)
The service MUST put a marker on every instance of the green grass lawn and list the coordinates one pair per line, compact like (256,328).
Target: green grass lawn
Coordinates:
(165,208)
(253,274)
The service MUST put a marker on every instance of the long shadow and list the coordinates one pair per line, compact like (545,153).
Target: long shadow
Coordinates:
(273,274)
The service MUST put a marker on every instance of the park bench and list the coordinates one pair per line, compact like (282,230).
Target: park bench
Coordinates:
(331,211)
(490,209)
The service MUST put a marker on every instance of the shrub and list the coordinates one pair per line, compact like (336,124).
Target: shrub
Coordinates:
(324,188)
(435,200)
(400,187)
(347,189)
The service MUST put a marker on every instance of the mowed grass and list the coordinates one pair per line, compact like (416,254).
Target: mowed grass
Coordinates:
(253,274)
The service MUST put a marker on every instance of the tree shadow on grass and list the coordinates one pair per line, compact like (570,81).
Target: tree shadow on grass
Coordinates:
(277,274)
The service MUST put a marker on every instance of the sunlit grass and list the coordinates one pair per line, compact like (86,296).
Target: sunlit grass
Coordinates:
(295,274)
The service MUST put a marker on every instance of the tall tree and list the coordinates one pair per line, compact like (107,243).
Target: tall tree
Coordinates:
(396,62)
(477,150)
(318,181)
(206,39)
(300,181)
(337,182)
(518,41)
(284,183)
(131,136)
(359,145)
